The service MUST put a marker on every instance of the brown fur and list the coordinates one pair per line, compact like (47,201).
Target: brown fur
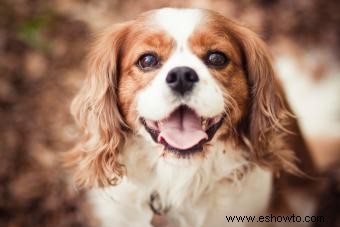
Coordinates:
(155,42)
(96,111)
(232,79)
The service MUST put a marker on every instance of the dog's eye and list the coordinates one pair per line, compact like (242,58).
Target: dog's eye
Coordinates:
(216,59)
(148,61)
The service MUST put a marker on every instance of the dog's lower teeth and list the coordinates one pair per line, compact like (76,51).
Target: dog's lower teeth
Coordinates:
(215,120)
(205,124)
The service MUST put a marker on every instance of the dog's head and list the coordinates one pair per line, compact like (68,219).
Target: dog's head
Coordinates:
(179,78)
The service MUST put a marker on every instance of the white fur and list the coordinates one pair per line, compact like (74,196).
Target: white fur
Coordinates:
(198,193)
(157,101)
(179,23)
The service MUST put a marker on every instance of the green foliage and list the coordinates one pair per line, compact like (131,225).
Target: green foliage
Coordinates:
(31,31)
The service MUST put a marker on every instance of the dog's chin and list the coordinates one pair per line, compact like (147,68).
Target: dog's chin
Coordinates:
(183,133)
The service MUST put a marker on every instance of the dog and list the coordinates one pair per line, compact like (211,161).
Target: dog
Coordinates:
(182,116)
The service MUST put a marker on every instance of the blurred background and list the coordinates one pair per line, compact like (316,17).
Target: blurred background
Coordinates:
(43,45)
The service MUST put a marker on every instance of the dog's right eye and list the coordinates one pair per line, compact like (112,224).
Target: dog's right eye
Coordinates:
(216,59)
(148,61)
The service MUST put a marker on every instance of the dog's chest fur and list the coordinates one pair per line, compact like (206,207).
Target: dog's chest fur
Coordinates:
(189,192)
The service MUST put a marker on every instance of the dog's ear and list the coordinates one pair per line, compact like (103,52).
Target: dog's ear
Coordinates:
(96,111)
(269,123)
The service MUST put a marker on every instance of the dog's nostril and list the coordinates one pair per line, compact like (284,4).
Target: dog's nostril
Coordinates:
(191,76)
(171,78)
(182,79)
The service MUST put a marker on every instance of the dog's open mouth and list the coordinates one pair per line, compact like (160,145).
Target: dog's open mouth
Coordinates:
(183,131)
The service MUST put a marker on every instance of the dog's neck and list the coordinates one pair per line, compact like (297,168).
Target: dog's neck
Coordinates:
(190,192)
(179,181)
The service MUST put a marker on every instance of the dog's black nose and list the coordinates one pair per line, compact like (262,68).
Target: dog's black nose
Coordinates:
(182,79)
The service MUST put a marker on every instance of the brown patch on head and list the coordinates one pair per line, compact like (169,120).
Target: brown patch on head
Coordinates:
(210,37)
(132,79)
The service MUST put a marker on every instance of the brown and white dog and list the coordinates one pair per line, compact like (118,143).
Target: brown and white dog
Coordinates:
(182,115)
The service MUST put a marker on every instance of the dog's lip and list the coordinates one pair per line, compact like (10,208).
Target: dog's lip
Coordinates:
(210,126)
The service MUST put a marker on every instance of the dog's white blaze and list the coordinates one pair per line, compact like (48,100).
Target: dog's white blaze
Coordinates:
(157,101)
(178,23)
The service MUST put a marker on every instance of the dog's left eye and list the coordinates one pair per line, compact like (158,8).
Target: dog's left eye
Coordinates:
(148,61)
(216,59)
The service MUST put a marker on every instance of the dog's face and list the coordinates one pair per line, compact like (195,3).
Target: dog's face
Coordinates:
(179,83)
(182,79)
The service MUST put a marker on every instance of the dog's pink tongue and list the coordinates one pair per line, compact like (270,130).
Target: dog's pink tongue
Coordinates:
(182,130)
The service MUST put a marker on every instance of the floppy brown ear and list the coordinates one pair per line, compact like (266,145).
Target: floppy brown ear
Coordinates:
(95,109)
(270,126)
(271,130)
